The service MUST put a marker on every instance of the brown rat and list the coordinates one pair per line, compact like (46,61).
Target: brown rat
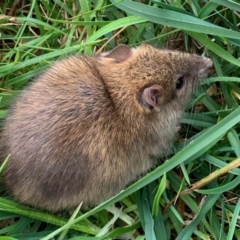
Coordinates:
(88,126)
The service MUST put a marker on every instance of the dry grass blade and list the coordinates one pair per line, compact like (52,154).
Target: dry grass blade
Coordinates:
(212,176)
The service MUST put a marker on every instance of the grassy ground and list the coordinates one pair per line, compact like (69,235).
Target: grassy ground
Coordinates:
(193,195)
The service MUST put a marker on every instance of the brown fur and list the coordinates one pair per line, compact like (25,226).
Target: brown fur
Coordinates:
(81,131)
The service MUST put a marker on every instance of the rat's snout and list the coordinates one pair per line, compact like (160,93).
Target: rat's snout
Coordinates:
(203,67)
(208,62)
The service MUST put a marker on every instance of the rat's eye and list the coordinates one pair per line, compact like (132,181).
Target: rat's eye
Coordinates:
(180,83)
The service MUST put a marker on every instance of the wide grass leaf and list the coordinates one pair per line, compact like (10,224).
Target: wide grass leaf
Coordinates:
(171,19)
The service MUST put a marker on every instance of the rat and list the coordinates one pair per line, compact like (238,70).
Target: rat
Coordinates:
(88,126)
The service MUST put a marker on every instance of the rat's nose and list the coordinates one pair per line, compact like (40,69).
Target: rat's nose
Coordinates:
(208,62)
(203,68)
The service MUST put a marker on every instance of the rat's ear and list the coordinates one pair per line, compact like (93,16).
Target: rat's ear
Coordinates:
(150,94)
(120,53)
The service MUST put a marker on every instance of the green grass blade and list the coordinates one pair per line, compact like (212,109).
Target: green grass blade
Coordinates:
(171,19)
(123,22)
(207,9)
(6,69)
(220,79)
(158,195)
(233,224)
(229,4)
(214,47)
(222,189)
(148,219)
(207,205)
(234,140)
(13,207)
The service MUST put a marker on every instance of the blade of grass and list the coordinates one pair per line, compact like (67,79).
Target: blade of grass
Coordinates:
(221,189)
(234,140)
(63,234)
(220,79)
(207,9)
(171,19)
(123,22)
(207,205)
(212,176)
(13,207)
(85,5)
(148,224)
(233,224)
(6,69)
(229,4)
(205,41)
(161,188)
(217,162)
(4,163)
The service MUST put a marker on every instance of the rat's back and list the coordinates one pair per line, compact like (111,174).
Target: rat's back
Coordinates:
(50,133)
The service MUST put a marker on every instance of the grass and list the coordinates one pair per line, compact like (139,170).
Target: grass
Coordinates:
(192,195)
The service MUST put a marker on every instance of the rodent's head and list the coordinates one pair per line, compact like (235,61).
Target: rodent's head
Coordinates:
(155,78)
